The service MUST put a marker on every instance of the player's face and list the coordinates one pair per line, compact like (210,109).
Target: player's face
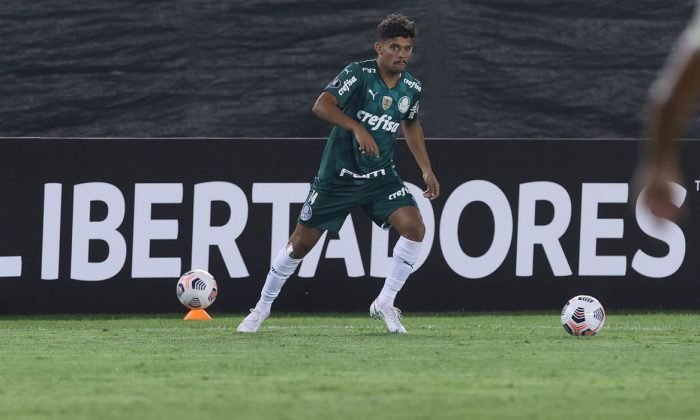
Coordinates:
(393,54)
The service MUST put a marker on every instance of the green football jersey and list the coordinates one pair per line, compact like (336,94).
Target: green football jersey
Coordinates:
(363,95)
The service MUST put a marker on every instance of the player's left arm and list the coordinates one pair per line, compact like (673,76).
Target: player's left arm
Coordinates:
(672,99)
(413,132)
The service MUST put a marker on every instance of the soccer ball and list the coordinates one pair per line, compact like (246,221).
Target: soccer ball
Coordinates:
(583,315)
(196,289)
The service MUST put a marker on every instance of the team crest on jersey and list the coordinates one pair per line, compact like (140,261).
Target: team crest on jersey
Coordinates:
(386,102)
(403,104)
(334,84)
(305,212)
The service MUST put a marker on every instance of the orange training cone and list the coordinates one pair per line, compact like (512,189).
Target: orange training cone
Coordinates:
(197,315)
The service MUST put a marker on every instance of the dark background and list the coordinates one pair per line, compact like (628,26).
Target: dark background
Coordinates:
(191,68)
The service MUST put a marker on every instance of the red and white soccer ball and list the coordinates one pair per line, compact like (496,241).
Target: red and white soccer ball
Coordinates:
(583,315)
(197,289)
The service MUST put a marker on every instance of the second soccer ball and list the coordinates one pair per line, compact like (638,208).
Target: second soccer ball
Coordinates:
(583,315)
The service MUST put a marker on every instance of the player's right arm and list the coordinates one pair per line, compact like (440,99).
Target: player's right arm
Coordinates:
(326,108)
(329,106)
(671,100)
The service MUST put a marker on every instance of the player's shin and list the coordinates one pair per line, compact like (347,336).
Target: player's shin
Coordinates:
(282,267)
(405,256)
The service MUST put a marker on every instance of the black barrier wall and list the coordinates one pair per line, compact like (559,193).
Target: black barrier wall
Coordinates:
(193,68)
(109,224)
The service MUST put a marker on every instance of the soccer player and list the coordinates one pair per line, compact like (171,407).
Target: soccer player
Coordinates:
(671,101)
(366,103)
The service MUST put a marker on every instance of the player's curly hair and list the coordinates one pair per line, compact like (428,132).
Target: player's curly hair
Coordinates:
(396,25)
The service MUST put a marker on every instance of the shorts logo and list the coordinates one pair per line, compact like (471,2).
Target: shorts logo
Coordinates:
(404,103)
(400,193)
(305,212)
(386,102)
(335,83)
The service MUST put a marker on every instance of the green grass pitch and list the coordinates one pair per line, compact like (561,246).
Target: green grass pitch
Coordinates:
(456,366)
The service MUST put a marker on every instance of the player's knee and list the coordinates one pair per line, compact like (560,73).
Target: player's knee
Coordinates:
(302,241)
(416,232)
(298,248)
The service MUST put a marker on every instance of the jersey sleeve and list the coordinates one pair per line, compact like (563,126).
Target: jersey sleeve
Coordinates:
(412,114)
(345,84)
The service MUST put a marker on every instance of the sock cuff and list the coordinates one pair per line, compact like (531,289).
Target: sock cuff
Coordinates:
(407,249)
(288,252)
(284,264)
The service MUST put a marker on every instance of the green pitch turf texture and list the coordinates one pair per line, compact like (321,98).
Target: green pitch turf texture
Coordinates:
(460,366)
